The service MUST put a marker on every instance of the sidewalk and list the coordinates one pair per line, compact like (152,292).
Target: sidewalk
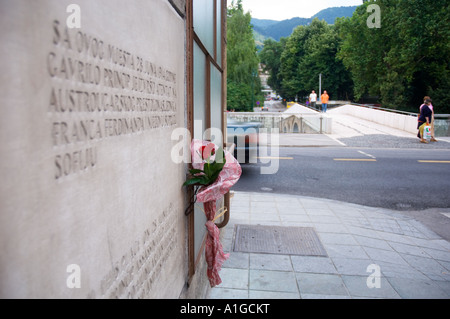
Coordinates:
(413,261)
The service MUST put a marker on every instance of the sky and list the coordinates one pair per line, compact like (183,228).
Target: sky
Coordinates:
(287,9)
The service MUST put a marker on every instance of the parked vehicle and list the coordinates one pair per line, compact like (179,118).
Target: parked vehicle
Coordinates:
(245,135)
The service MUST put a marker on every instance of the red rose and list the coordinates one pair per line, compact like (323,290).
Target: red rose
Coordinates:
(207,151)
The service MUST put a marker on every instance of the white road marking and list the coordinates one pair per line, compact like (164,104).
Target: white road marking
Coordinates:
(368,155)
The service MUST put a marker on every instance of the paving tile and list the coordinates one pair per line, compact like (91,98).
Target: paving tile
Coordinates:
(320,212)
(240,198)
(263,198)
(361,222)
(444,285)
(258,294)
(262,205)
(445,264)
(358,287)
(227,244)
(389,270)
(295,218)
(372,242)
(287,199)
(385,255)
(339,239)
(234,278)
(331,228)
(259,216)
(317,296)
(324,219)
(245,204)
(444,244)
(321,284)
(237,260)
(356,230)
(239,218)
(438,254)
(265,222)
(408,249)
(347,213)
(313,264)
(297,224)
(427,266)
(226,293)
(349,251)
(445,276)
(421,229)
(351,266)
(414,262)
(270,262)
(433,244)
(417,289)
(263,210)
(239,209)
(269,280)
(390,237)
(290,207)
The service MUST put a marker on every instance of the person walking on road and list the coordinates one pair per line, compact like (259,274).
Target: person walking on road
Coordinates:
(433,138)
(324,98)
(313,99)
(425,117)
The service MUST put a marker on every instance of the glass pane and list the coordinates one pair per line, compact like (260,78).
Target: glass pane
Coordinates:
(199,92)
(204,23)
(219,32)
(216,103)
(199,127)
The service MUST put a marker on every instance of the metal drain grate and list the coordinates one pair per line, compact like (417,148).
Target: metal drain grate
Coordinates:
(302,241)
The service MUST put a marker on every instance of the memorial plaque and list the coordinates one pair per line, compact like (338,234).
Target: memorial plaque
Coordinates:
(91,202)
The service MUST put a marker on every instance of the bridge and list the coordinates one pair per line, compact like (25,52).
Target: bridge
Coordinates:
(348,124)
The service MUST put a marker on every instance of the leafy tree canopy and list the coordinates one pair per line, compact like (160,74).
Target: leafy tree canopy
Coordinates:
(243,83)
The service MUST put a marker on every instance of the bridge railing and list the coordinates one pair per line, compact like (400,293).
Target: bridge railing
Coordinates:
(314,123)
(402,120)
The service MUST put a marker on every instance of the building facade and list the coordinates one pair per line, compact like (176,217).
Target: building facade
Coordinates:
(92,93)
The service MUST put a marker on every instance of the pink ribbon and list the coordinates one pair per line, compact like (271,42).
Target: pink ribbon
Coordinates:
(230,174)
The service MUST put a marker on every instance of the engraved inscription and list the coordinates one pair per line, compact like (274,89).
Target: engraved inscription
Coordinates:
(100,91)
(139,269)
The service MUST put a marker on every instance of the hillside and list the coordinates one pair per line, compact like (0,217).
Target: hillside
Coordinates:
(330,14)
(264,29)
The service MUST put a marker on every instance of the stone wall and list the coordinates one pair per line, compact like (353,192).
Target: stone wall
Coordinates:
(91,202)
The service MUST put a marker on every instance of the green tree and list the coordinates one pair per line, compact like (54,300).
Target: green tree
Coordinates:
(291,57)
(270,57)
(310,51)
(243,83)
(323,44)
(404,60)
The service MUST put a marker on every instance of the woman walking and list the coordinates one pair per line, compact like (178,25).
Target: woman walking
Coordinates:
(425,118)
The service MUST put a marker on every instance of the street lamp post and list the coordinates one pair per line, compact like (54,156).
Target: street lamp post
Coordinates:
(320,85)
(320,92)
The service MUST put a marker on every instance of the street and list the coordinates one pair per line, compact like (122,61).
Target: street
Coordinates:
(407,180)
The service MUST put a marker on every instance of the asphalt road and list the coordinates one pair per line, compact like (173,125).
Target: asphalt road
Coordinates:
(412,181)
(388,178)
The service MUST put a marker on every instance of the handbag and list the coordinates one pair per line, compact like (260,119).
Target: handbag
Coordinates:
(427,132)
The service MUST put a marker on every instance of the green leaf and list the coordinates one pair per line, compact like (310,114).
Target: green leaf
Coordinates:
(215,176)
(196,171)
(196,180)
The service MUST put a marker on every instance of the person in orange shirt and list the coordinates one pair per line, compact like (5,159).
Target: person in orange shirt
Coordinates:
(324,98)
